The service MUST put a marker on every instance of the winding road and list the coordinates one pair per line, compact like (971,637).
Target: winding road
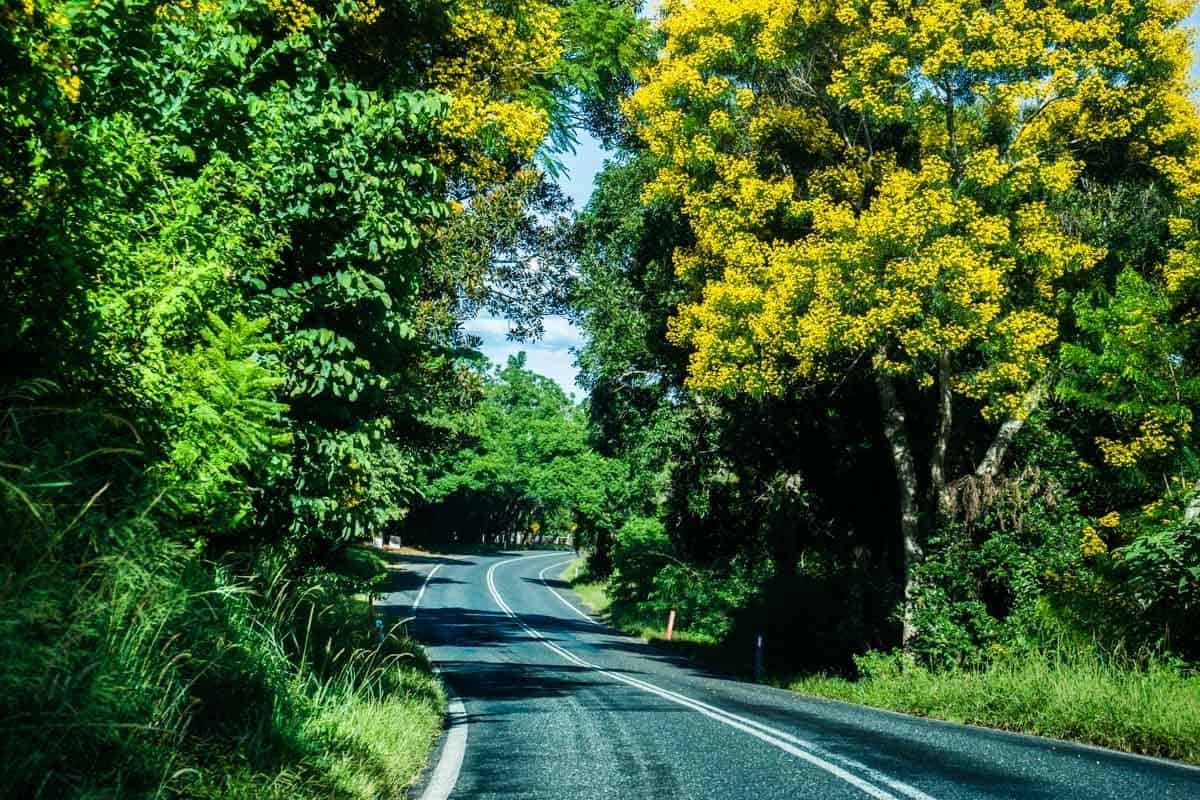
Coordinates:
(553,704)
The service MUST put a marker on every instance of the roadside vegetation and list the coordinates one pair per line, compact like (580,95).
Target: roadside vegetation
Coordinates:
(592,592)
(895,334)
(1147,706)
(238,243)
(891,348)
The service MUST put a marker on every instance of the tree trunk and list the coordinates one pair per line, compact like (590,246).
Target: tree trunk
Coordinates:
(938,491)
(993,459)
(896,432)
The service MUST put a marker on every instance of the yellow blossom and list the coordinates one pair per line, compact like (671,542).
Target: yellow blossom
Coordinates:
(293,15)
(494,58)
(816,241)
(70,85)
(1091,545)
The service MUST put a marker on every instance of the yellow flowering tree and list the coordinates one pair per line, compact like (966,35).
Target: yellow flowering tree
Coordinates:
(881,186)
(497,69)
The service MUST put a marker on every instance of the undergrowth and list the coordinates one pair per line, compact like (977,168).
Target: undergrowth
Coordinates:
(1067,690)
(136,666)
(1146,706)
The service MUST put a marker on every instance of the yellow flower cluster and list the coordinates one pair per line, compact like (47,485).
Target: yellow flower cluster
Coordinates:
(1091,545)
(1156,436)
(293,15)
(45,40)
(183,10)
(71,86)
(366,12)
(1182,269)
(815,243)
(492,115)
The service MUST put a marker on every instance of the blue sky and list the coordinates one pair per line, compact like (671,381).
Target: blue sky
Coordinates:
(551,355)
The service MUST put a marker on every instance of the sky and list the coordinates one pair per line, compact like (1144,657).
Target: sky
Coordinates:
(551,355)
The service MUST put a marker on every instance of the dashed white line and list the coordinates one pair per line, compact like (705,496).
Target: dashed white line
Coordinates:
(800,748)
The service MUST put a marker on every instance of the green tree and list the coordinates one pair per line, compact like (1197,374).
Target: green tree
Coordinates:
(529,461)
(883,192)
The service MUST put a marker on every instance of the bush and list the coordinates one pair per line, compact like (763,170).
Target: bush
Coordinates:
(134,666)
(639,551)
(149,671)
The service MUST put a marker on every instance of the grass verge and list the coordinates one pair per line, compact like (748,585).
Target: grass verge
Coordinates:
(1073,694)
(150,672)
(1150,709)
(593,593)
(631,619)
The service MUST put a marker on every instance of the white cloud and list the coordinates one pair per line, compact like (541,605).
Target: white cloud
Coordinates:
(549,356)
(488,328)
(559,332)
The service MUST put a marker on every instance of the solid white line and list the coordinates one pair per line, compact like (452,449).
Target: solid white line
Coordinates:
(445,775)
(454,750)
(424,584)
(792,745)
(563,600)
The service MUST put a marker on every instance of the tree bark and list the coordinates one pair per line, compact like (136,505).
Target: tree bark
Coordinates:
(896,432)
(941,439)
(993,459)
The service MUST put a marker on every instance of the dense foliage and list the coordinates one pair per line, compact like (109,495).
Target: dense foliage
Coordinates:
(526,472)
(891,311)
(237,244)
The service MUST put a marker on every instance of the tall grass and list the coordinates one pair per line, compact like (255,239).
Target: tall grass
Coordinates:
(1143,706)
(1068,689)
(133,667)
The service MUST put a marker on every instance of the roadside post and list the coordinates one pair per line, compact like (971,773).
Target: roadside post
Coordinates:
(670,624)
(758,659)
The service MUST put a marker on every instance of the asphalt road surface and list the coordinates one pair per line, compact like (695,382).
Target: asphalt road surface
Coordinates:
(560,706)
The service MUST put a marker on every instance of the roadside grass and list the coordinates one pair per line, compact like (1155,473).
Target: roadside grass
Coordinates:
(1070,692)
(150,672)
(362,735)
(592,592)
(1114,702)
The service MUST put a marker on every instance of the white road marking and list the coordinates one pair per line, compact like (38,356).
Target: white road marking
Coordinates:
(800,748)
(445,774)
(563,600)
(424,584)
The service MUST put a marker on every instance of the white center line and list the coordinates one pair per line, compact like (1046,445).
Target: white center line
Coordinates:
(563,600)
(800,748)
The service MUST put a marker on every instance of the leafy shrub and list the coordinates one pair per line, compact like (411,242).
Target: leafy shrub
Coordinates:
(705,601)
(640,549)
(989,582)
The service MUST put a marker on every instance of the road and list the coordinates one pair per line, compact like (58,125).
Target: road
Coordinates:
(560,706)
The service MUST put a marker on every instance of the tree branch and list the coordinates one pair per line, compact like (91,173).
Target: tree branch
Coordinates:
(989,467)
